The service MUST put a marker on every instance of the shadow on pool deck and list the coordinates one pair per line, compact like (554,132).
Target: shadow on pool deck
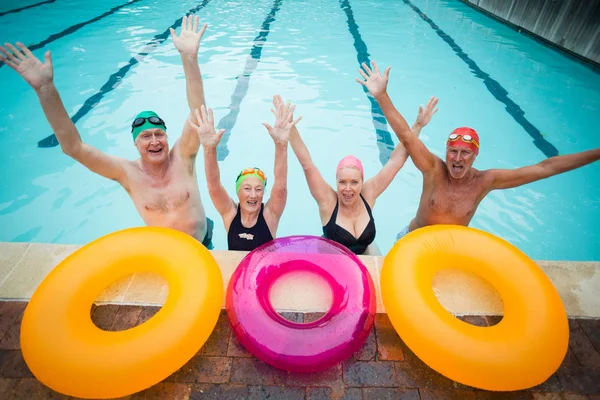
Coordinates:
(383,369)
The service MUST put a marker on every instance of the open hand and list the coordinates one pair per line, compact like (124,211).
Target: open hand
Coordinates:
(188,42)
(208,136)
(425,114)
(284,122)
(27,65)
(375,82)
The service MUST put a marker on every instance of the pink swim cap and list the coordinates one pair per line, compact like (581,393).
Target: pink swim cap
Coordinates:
(351,161)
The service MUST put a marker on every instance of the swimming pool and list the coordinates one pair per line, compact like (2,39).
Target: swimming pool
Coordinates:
(113,58)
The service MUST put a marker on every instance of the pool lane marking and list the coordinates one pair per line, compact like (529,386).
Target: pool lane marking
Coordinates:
(16,10)
(493,87)
(115,79)
(75,28)
(385,143)
(243,81)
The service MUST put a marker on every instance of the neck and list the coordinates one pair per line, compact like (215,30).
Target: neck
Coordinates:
(249,216)
(465,179)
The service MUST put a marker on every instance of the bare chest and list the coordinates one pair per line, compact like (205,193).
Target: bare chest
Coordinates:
(459,203)
(165,195)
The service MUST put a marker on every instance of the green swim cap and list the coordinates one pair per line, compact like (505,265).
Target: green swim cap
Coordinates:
(248,172)
(146,120)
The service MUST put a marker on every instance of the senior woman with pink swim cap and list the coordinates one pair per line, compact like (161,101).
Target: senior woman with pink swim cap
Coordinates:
(345,213)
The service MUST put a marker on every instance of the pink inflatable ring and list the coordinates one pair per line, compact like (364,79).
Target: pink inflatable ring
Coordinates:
(298,347)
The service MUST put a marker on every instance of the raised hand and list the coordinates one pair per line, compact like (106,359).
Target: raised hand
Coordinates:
(27,65)
(425,114)
(375,82)
(208,136)
(188,42)
(284,122)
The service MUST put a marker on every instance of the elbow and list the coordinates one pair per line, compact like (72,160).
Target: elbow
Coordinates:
(71,149)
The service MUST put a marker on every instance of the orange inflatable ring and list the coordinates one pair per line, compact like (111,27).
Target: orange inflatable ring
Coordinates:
(68,353)
(523,350)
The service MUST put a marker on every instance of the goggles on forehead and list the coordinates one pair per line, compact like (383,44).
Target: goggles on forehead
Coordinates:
(153,120)
(465,138)
(251,171)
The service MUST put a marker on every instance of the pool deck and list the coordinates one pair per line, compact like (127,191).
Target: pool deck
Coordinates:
(384,368)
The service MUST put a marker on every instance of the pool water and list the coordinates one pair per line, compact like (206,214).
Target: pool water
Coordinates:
(112,58)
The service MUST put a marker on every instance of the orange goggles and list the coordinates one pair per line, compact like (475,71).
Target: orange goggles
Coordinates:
(465,138)
(251,171)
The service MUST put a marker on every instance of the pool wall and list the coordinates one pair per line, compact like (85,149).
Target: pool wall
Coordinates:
(571,25)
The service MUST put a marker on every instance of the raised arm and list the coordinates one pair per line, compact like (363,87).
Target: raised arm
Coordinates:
(210,139)
(280,133)
(40,77)
(510,178)
(377,85)
(188,43)
(319,188)
(377,184)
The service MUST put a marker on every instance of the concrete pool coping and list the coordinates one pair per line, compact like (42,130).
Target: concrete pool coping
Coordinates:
(23,266)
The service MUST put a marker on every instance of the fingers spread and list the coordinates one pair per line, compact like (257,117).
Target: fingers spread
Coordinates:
(211,119)
(195,25)
(297,120)
(9,55)
(15,51)
(359,81)
(204,114)
(362,73)
(25,50)
(7,62)
(366,67)
(387,72)
(375,68)
(203,29)
(184,23)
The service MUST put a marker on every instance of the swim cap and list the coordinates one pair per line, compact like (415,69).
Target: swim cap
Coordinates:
(465,137)
(351,161)
(146,124)
(248,172)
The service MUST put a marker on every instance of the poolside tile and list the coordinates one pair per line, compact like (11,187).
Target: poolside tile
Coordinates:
(164,390)
(447,394)
(10,312)
(35,265)
(218,341)
(518,395)
(12,365)
(32,389)
(147,288)
(204,391)
(10,256)
(104,316)
(11,340)
(581,380)
(201,369)
(369,349)
(115,292)
(417,374)
(582,347)
(252,371)
(236,349)
(319,393)
(125,318)
(275,392)
(370,374)
(474,320)
(559,396)
(389,344)
(331,378)
(147,313)
(390,394)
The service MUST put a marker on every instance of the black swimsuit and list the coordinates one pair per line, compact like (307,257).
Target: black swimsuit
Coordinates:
(336,233)
(247,239)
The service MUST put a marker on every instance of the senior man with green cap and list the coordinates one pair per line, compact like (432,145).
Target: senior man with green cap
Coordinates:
(162,183)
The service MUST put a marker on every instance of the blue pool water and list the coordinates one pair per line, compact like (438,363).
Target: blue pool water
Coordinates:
(113,58)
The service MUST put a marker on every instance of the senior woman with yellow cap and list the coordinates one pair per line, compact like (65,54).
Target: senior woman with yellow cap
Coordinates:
(249,223)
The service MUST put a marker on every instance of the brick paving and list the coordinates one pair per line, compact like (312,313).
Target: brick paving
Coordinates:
(385,368)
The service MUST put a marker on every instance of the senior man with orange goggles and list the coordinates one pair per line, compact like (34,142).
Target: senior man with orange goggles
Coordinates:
(453,189)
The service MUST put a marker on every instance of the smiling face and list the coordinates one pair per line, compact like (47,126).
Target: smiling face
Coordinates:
(152,145)
(459,160)
(349,185)
(250,194)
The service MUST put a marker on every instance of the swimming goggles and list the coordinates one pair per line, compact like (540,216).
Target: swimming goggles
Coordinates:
(153,120)
(250,171)
(465,138)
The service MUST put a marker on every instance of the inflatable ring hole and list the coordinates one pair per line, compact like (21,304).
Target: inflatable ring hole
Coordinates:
(464,293)
(141,288)
(303,292)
